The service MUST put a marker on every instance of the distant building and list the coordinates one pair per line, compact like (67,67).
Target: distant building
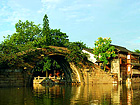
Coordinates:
(125,65)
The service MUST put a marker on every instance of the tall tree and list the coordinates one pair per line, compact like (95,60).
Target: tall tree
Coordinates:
(29,36)
(46,30)
(103,50)
(58,38)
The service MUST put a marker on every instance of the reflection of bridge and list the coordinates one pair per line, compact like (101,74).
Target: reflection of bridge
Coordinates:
(48,80)
(92,94)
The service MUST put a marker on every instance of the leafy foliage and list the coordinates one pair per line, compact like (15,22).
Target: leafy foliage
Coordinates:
(76,54)
(103,50)
(47,64)
(137,51)
(58,38)
(29,36)
(26,33)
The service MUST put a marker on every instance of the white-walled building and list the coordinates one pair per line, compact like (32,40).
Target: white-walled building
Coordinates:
(91,56)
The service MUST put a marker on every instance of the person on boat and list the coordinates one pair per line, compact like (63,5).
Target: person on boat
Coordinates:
(58,76)
(63,76)
(50,76)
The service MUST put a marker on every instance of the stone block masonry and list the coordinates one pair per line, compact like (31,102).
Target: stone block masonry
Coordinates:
(97,76)
(13,78)
(20,78)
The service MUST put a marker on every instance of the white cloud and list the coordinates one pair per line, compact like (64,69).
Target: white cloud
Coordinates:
(13,13)
(14,10)
(4,12)
(49,5)
(89,19)
(51,1)
(78,11)
(75,7)
(15,16)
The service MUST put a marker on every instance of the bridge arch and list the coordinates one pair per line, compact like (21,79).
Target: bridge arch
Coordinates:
(72,73)
(88,74)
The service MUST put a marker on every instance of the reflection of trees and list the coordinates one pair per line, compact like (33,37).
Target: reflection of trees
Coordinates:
(126,94)
(52,94)
(98,94)
(77,94)
(94,94)
(88,94)
(16,96)
(115,94)
(136,94)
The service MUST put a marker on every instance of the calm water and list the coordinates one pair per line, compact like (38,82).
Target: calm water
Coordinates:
(99,94)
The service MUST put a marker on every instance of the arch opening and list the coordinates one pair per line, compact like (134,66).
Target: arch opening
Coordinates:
(69,74)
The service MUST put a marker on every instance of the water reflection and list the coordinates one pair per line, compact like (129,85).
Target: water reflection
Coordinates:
(98,94)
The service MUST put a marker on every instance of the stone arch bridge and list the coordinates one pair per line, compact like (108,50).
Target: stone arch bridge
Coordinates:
(84,75)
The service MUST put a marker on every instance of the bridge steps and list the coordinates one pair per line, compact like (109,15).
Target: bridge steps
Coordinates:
(97,75)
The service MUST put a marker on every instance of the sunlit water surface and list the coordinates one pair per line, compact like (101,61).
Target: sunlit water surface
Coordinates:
(98,94)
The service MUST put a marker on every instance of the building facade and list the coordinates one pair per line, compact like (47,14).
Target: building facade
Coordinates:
(125,66)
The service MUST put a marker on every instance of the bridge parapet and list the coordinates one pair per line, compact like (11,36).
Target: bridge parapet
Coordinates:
(38,80)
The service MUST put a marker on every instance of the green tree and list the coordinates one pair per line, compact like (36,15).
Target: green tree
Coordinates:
(26,32)
(137,51)
(51,37)
(30,36)
(47,64)
(46,27)
(46,30)
(103,50)
(59,38)
(76,54)
(23,39)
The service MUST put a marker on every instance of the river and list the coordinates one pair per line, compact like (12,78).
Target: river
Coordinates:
(98,94)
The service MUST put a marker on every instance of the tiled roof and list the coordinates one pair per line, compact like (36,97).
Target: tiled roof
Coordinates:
(123,49)
(118,48)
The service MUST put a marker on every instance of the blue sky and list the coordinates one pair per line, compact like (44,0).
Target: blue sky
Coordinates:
(82,20)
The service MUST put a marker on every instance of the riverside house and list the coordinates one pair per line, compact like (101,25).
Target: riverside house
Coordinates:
(125,65)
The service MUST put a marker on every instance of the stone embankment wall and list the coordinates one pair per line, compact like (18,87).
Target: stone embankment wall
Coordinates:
(91,75)
(136,80)
(96,75)
(20,78)
(12,78)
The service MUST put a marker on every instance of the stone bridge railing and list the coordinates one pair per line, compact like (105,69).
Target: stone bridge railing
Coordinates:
(38,80)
